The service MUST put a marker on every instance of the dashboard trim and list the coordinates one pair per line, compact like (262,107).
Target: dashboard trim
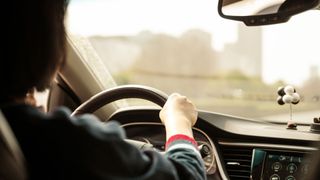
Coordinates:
(266,145)
(214,149)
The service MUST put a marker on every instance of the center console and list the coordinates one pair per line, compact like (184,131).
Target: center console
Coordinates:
(278,165)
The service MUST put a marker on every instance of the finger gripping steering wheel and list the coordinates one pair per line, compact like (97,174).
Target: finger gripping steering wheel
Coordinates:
(121,92)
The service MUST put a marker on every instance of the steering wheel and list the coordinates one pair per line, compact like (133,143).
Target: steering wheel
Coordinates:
(121,92)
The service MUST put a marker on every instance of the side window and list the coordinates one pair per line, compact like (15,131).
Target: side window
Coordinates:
(42,99)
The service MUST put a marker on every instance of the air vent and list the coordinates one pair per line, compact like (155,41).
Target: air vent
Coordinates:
(237,161)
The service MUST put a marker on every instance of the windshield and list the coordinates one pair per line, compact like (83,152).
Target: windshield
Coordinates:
(222,66)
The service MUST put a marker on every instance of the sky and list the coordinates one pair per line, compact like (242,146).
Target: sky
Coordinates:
(289,50)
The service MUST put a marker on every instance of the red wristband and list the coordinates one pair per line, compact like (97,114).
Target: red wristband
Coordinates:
(181,137)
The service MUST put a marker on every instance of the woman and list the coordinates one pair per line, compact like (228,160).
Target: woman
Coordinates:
(57,146)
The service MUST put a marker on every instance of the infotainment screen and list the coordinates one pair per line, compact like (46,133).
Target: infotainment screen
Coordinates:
(278,165)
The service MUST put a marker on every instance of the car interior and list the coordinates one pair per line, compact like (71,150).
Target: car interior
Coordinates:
(243,131)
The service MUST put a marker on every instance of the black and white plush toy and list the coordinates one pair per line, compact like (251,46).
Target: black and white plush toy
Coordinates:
(288,95)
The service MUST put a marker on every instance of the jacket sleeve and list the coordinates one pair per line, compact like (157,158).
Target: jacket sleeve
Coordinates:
(98,151)
(184,154)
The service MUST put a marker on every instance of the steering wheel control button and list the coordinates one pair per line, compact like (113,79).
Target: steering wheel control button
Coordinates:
(275,177)
(204,150)
(292,168)
(276,166)
(290,178)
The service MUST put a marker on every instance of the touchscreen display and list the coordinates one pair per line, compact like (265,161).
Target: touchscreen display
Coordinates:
(278,165)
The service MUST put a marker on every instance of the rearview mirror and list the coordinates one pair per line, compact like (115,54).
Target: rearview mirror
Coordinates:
(262,12)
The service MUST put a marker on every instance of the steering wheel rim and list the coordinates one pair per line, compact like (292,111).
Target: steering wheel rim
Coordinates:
(121,92)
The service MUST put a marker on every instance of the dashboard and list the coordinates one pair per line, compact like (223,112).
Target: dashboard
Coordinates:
(154,134)
(232,147)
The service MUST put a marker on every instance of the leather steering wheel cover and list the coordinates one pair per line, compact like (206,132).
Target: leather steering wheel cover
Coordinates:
(121,92)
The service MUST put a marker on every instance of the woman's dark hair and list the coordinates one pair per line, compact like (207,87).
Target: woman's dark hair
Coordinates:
(33,45)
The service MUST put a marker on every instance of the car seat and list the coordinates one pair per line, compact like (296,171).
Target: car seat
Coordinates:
(12,166)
